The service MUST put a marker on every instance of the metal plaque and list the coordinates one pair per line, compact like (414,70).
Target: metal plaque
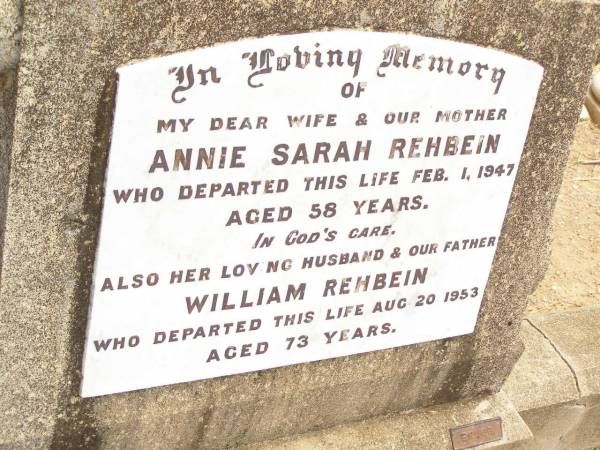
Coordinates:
(478,433)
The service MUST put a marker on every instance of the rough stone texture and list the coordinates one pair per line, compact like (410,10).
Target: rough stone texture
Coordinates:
(423,429)
(10,33)
(10,39)
(555,385)
(70,51)
(575,335)
(541,390)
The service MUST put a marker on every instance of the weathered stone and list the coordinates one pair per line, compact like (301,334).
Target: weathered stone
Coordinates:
(540,377)
(575,335)
(10,37)
(10,33)
(555,384)
(61,129)
(427,428)
(542,389)
(563,426)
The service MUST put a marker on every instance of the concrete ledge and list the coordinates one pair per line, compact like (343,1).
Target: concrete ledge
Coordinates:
(551,400)
(576,337)
(556,383)
(422,429)
(541,377)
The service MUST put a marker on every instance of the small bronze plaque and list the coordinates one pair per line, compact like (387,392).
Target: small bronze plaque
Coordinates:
(477,433)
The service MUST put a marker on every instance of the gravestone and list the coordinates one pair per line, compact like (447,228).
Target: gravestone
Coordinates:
(302,216)
(157,237)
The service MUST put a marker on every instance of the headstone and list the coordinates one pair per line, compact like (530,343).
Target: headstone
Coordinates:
(341,194)
(54,260)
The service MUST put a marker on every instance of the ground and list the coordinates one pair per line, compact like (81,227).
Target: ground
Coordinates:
(573,276)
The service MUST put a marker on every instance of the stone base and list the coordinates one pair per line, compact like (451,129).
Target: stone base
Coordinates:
(551,401)
(422,429)
(556,383)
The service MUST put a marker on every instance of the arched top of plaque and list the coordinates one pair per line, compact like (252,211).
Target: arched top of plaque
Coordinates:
(407,63)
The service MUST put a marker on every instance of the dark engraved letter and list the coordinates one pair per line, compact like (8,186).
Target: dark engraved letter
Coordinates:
(263,63)
(302,58)
(440,61)
(181,76)
(497,77)
(391,55)
(213,75)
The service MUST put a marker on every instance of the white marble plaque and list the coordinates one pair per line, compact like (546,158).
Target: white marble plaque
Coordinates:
(295,198)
